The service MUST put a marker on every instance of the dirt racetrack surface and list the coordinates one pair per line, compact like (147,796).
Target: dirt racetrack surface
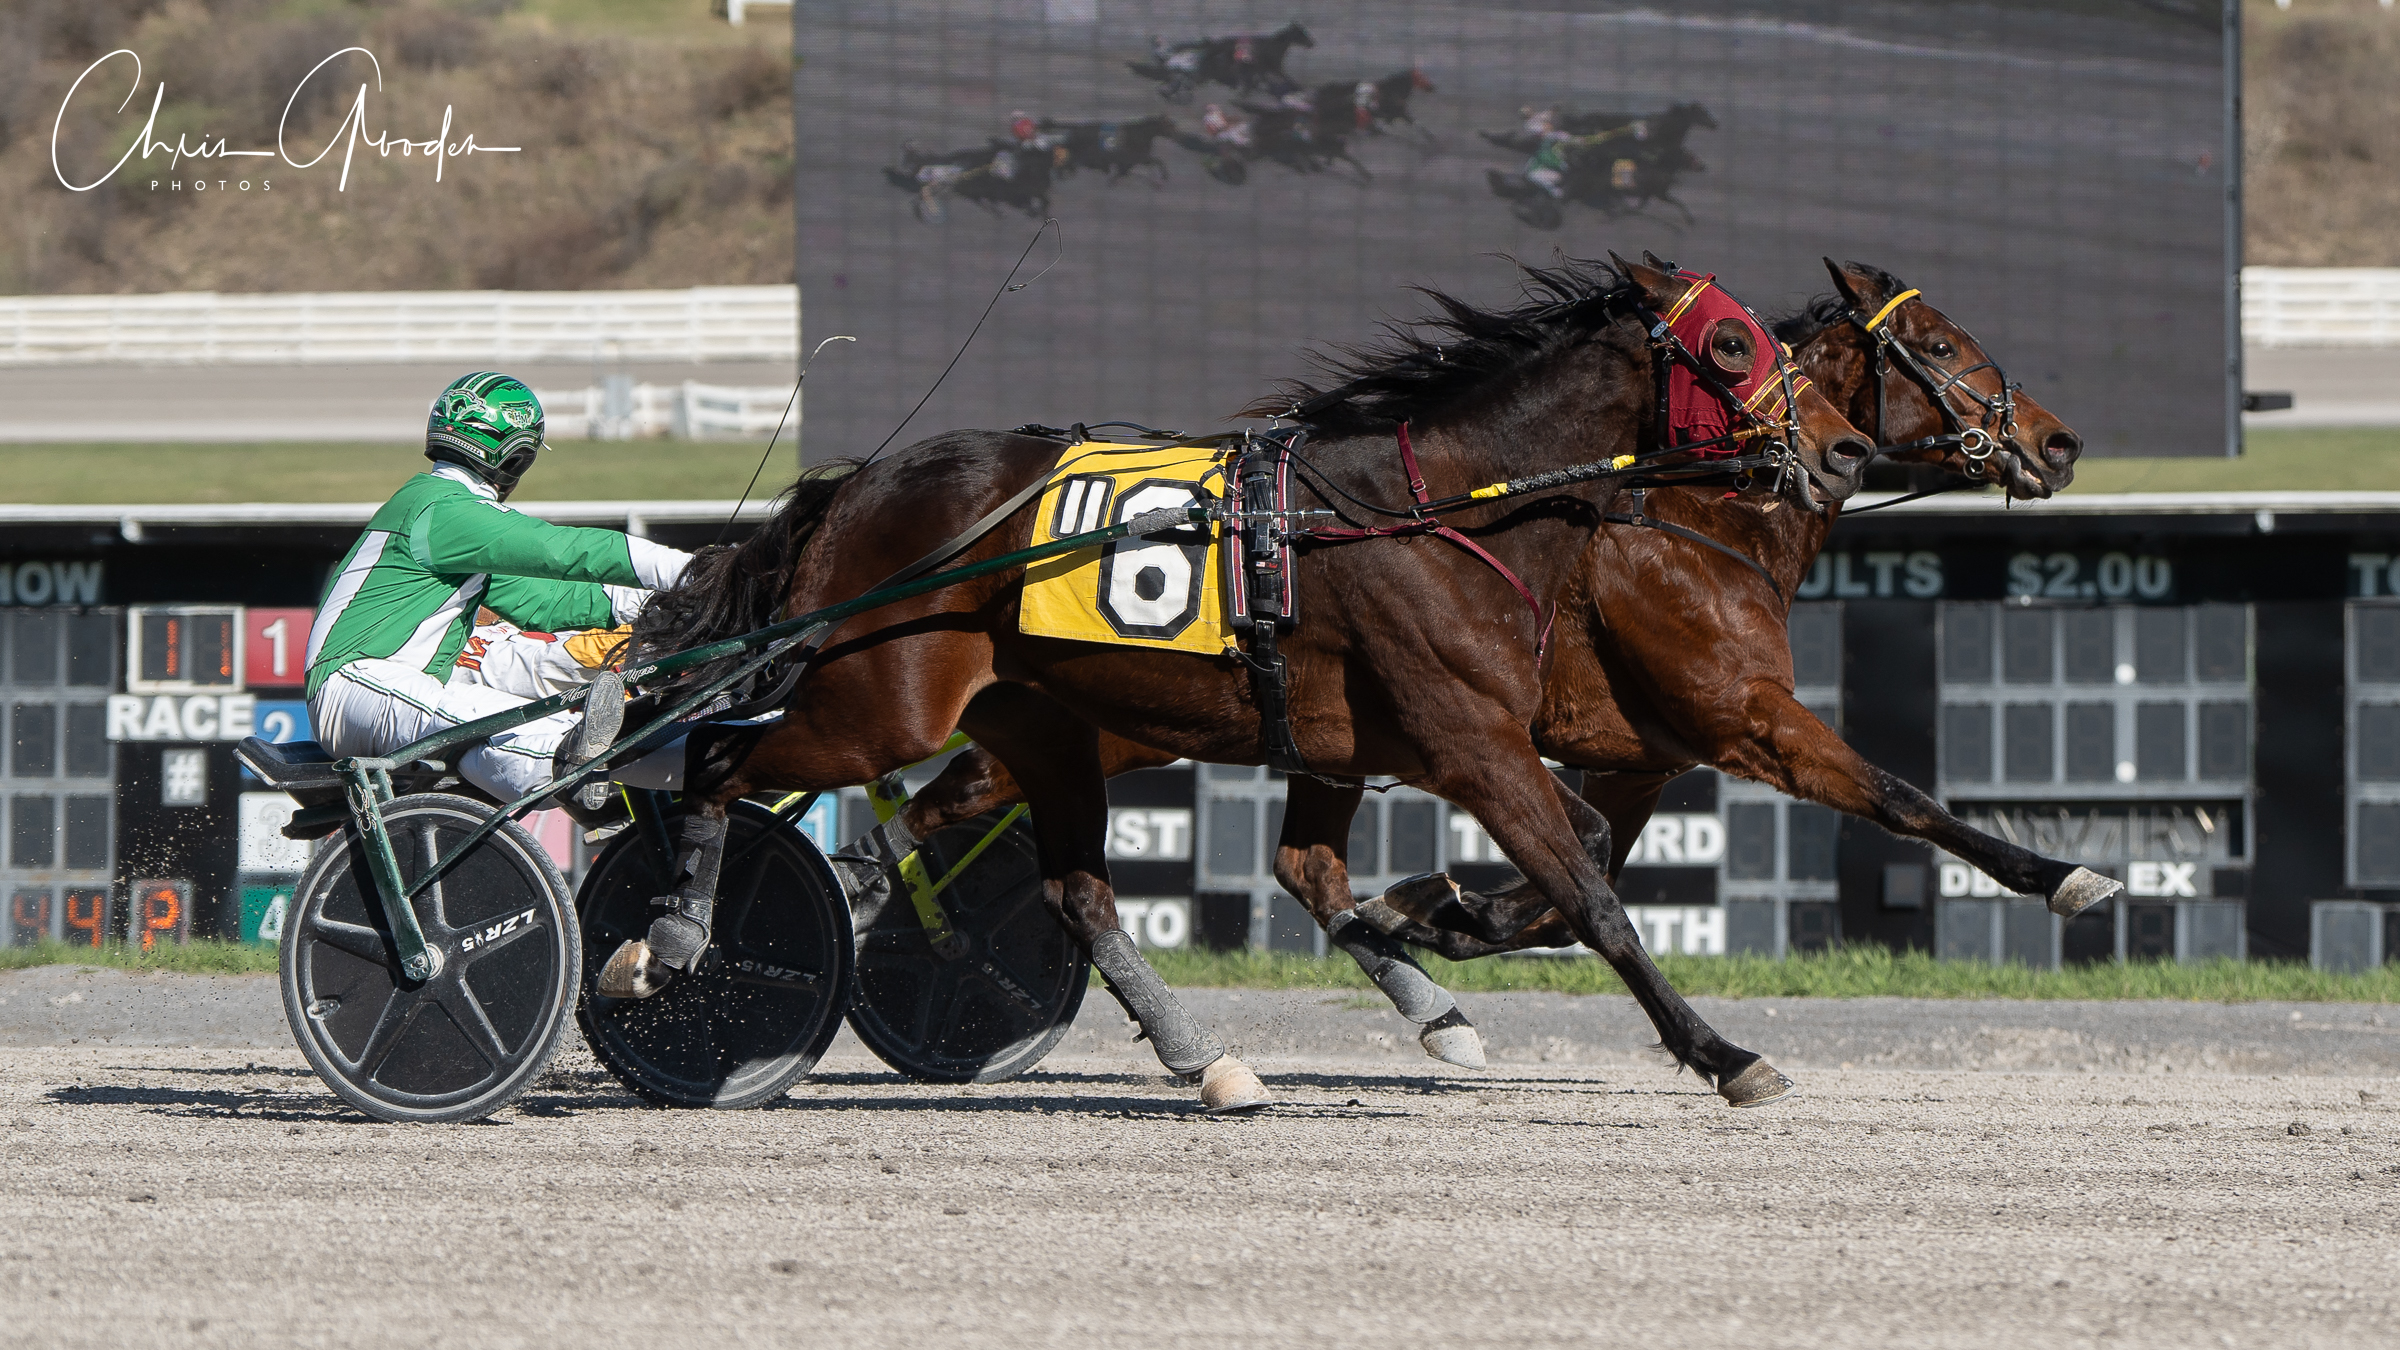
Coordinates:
(177,1196)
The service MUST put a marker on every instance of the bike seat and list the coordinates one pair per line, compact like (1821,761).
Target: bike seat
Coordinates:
(305,769)
(293,766)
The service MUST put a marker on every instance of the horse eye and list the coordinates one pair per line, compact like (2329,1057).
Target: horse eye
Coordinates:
(1944,350)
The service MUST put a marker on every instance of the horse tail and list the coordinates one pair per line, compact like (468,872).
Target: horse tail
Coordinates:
(731,590)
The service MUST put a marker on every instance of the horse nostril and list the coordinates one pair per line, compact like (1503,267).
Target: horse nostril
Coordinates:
(1848,448)
(2062,448)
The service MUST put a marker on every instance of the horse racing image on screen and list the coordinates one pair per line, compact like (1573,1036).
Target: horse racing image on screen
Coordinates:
(1235,182)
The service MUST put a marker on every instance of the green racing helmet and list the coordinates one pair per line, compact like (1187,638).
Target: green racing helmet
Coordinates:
(488,423)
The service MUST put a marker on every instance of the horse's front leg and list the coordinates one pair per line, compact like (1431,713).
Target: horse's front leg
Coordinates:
(1312,861)
(1055,758)
(1502,781)
(1793,752)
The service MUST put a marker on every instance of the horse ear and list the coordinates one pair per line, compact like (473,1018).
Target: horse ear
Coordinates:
(1657,285)
(1856,289)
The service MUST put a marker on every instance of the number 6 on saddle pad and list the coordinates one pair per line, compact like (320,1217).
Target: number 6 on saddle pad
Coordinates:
(1162,591)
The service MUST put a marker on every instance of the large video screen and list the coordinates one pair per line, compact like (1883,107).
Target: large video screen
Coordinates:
(1237,182)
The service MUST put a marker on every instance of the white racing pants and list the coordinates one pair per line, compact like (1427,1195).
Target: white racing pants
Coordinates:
(374,707)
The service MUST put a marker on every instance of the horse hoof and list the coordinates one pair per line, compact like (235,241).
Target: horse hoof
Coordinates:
(633,973)
(1461,1045)
(1228,1086)
(1755,1086)
(1419,897)
(2082,889)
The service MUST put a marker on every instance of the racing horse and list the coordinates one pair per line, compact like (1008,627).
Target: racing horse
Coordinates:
(1623,165)
(1245,62)
(1641,690)
(1115,148)
(996,174)
(1377,105)
(1424,658)
(1305,139)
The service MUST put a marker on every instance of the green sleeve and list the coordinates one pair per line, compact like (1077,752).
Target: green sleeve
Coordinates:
(464,534)
(549,606)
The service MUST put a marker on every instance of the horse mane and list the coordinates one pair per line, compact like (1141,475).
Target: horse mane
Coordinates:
(1824,311)
(1435,360)
(736,589)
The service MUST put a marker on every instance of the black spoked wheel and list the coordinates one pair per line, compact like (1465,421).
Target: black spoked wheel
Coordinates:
(769,994)
(460,1045)
(991,1009)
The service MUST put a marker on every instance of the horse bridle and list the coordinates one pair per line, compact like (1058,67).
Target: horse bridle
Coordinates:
(1998,413)
(1781,451)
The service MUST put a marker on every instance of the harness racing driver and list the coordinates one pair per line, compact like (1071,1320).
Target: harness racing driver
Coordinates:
(400,607)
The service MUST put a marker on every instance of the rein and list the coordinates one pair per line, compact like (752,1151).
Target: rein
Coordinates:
(1646,522)
(1423,522)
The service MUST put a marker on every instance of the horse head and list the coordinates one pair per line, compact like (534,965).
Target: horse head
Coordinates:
(1679,120)
(1939,384)
(1831,453)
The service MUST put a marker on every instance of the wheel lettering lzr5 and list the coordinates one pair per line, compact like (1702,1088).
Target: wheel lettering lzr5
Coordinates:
(1152,589)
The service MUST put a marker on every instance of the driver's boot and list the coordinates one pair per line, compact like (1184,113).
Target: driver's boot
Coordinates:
(679,937)
(593,803)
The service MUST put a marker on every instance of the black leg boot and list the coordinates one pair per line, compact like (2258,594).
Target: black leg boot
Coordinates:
(679,936)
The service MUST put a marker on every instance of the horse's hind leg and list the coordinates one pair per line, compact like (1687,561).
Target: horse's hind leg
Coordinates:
(1055,758)
(1312,861)
(1501,780)
(1497,920)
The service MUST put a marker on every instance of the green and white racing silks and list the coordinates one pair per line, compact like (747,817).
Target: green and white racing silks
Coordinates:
(443,544)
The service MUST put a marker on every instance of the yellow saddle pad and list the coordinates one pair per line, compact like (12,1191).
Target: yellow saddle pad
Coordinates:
(1136,592)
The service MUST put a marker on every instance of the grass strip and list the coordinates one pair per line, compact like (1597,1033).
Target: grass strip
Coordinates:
(1857,971)
(116,474)
(2324,459)
(200,956)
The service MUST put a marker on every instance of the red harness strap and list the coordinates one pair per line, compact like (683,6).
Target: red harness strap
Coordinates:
(1425,524)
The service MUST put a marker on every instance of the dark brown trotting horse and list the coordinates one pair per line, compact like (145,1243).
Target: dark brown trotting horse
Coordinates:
(1421,659)
(1646,684)
(1647,695)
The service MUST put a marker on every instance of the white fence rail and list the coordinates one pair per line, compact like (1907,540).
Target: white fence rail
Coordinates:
(704,323)
(2281,307)
(622,410)
(2321,306)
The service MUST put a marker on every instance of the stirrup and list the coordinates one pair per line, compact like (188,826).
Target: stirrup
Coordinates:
(596,735)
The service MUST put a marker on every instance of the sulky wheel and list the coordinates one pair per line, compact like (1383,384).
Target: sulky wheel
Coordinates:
(769,994)
(1002,999)
(463,1044)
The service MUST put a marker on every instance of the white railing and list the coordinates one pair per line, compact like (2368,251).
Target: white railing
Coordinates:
(703,323)
(2321,306)
(691,410)
(2281,307)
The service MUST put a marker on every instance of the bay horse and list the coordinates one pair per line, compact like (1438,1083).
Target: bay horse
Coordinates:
(1113,148)
(1421,659)
(1641,689)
